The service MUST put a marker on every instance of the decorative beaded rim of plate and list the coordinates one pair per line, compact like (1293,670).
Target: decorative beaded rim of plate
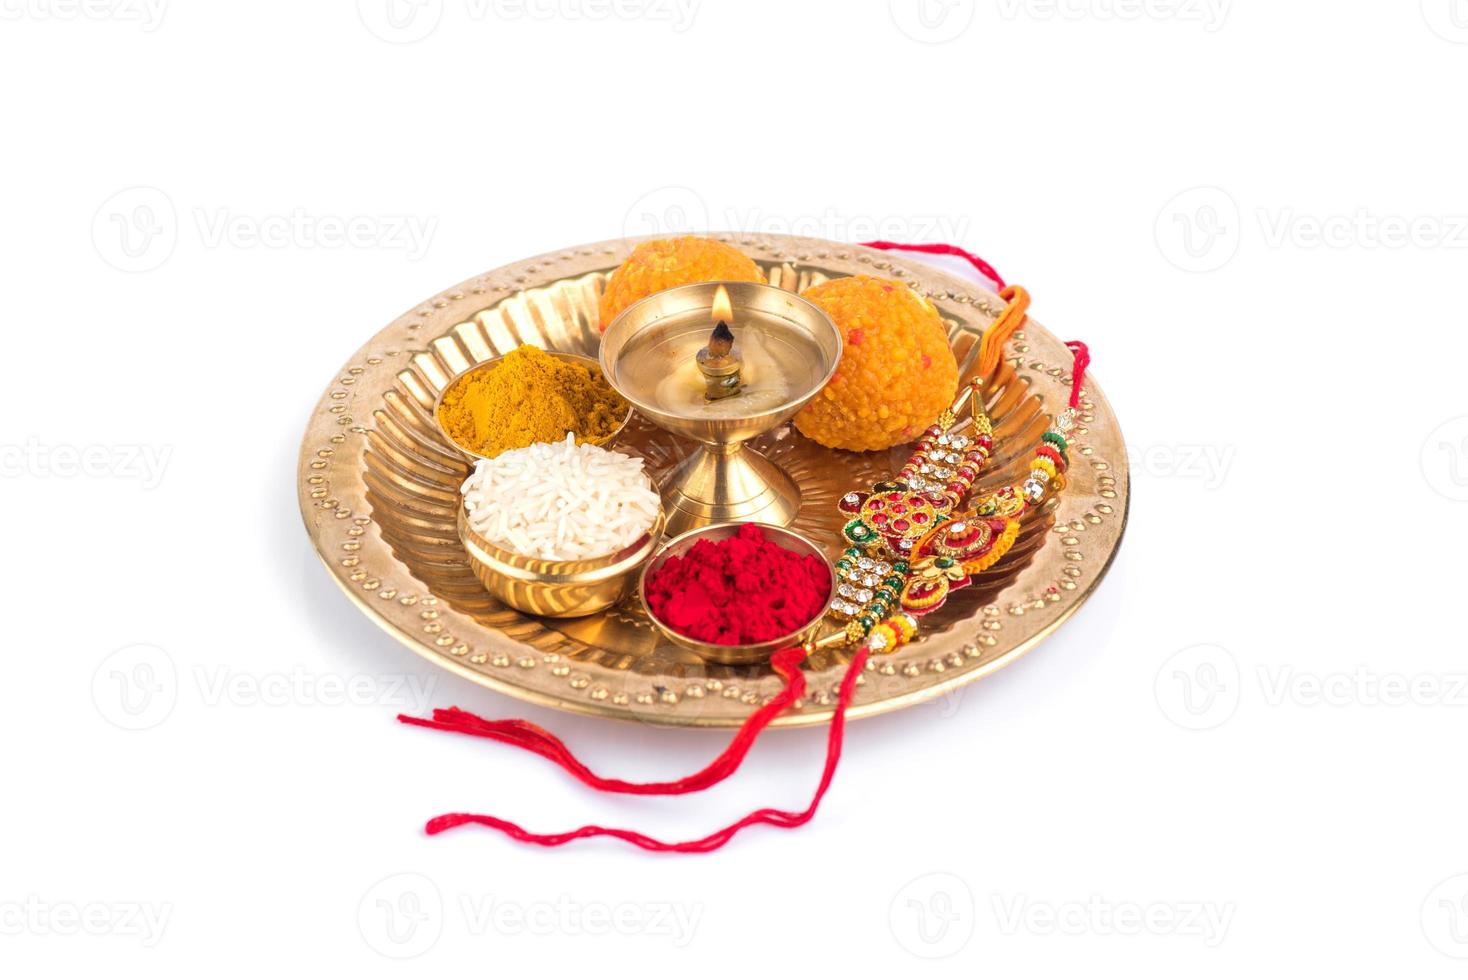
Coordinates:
(374,486)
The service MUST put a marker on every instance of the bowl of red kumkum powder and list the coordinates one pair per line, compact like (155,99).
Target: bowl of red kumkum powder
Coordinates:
(737,593)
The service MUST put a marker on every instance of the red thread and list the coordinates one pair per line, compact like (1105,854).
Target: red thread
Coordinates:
(533,738)
(985,269)
(711,842)
(1078,370)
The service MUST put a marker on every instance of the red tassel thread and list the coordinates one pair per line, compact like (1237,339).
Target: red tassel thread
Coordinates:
(1082,355)
(533,738)
(937,248)
(716,840)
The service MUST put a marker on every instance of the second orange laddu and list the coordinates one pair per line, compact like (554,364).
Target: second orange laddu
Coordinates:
(897,372)
(667,262)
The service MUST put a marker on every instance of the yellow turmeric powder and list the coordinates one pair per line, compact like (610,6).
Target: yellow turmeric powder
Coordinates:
(529,396)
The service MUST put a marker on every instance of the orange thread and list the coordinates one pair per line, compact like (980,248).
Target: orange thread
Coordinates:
(991,348)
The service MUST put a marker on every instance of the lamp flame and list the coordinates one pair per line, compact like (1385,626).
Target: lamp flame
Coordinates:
(723,309)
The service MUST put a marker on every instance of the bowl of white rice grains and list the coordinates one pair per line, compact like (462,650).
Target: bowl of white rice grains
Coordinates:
(559,528)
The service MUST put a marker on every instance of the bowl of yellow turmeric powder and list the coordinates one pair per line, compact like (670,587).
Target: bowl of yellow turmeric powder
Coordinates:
(528,396)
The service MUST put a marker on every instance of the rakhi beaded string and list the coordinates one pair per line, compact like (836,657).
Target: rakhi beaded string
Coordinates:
(869,637)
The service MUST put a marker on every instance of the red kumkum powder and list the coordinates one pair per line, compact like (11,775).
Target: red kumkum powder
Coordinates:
(737,591)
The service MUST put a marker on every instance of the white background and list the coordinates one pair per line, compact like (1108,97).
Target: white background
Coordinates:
(1250,741)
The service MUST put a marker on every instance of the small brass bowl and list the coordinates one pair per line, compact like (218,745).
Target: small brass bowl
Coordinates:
(750,653)
(559,589)
(590,363)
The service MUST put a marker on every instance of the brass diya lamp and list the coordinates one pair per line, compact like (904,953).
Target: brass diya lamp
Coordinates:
(721,363)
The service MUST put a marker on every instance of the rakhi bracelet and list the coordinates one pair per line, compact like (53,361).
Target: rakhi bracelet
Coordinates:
(883,570)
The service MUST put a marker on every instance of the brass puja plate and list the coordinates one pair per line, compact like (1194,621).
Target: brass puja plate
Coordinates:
(378,489)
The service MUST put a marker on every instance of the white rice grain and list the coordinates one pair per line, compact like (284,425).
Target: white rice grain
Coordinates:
(560,501)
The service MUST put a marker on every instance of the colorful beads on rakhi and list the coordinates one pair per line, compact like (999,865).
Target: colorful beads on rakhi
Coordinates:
(1049,458)
(931,484)
(1047,451)
(891,633)
(882,637)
